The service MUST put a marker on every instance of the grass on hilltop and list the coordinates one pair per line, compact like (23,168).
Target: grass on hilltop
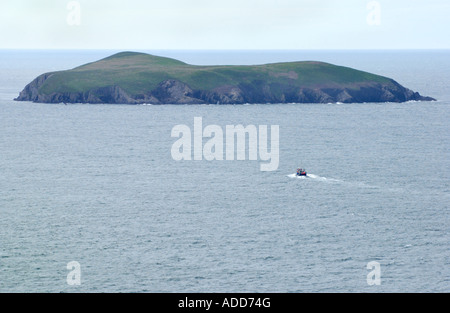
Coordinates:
(139,73)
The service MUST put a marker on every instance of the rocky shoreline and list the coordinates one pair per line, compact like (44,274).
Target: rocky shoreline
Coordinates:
(176,92)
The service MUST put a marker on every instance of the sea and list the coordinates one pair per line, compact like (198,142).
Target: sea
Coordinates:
(92,199)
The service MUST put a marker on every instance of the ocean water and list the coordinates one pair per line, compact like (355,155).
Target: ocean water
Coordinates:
(97,184)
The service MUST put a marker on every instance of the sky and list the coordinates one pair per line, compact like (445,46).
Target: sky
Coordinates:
(224,24)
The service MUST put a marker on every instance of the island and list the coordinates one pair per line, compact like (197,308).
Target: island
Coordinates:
(140,78)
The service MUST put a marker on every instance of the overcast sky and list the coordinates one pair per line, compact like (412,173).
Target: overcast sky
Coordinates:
(225,24)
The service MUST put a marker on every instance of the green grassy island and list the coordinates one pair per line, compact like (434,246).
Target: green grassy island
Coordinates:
(138,78)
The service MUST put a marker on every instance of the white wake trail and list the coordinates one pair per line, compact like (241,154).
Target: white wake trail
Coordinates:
(315,177)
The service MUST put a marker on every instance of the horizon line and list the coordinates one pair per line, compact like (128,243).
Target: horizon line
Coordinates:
(218,49)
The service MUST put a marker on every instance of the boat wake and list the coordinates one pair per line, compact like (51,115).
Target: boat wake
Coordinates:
(315,177)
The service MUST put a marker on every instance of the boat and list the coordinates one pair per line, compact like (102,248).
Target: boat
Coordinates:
(301,172)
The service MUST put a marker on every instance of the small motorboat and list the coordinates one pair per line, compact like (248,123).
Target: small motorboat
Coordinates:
(301,172)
